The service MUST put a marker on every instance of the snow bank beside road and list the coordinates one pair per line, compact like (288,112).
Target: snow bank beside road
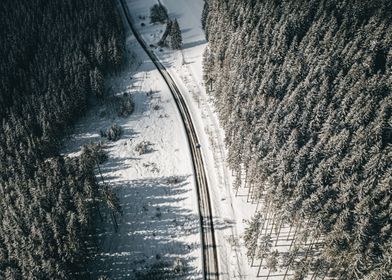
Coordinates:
(186,68)
(160,225)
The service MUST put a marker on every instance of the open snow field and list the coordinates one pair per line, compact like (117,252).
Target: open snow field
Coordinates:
(160,224)
(229,211)
(185,66)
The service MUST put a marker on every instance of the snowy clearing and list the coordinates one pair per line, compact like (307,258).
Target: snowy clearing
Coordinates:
(229,211)
(156,120)
(155,184)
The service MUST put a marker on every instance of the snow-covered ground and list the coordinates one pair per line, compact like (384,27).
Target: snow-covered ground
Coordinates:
(160,224)
(229,211)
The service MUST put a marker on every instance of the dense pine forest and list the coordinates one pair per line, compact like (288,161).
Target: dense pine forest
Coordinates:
(303,91)
(54,55)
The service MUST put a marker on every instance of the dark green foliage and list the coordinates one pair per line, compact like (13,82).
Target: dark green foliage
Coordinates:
(167,32)
(95,153)
(303,90)
(162,270)
(172,31)
(175,35)
(53,58)
(158,13)
(47,219)
(96,82)
(113,133)
(126,105)
(204,15)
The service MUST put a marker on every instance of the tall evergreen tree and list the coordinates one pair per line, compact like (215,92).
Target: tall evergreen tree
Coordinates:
(176,37)
(53,60)
(303,92)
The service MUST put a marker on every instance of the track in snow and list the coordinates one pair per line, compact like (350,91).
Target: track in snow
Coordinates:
(210,257)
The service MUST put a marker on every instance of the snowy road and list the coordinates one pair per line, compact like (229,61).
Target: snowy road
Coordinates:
(210,259)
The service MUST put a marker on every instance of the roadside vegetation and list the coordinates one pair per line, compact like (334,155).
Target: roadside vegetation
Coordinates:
(158,14)
(54,56)
(303,91)
(172,36)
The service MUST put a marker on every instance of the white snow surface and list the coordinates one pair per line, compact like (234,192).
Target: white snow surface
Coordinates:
(160,221)
(230,211)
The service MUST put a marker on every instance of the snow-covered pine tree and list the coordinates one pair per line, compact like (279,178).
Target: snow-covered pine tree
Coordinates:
(176,37)
(167,32)
(158,13)
(308,86)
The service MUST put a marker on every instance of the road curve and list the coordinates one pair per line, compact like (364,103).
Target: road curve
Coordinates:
(209,253)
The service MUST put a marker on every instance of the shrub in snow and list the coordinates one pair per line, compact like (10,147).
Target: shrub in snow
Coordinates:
(179,267)
(175,36)
(162,270)
(126,105)
(150,93)
(158,13)
(162,42)
(113,133)
(173,32)
(158,214)
(173,180)
(142,147)
(95,150)
(157,271)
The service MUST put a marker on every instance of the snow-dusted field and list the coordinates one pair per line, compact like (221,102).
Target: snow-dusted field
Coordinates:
(160,225)
(160,222)
(229,211)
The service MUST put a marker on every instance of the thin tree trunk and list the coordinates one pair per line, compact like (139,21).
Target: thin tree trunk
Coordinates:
(326,273)
(273,223)
(258,271)
(266,227)
(289,264)
(114,220)
(250,189)
(100,173)
(305,229)
(266,221)
(237,184)
(269,273)
(258,203)
(277,237)
(287,270)
(315,273)
(288,236)
(99,211)
(254,195)
(253,256)
(295,234)
(310,247)
(246,177)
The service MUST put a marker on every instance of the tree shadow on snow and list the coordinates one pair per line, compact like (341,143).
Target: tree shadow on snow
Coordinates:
(193,44)
(149,233)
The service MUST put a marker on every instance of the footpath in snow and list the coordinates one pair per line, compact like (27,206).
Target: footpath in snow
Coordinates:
(185,66)
(160,225)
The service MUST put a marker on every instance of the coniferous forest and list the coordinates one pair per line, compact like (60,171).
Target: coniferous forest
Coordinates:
(54,55)
(303,91)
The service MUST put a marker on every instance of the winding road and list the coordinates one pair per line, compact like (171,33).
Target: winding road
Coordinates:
(210,257)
